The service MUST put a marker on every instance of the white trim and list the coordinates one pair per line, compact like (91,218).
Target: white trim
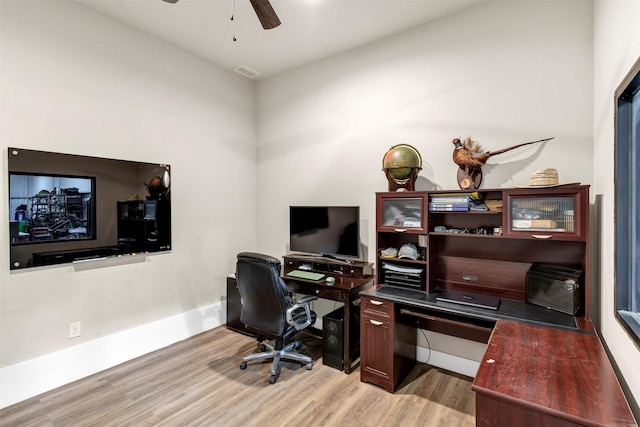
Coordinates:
(447,361)
(35,376)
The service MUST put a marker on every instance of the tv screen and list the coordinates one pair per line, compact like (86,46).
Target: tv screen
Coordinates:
(331,231)
(48,208)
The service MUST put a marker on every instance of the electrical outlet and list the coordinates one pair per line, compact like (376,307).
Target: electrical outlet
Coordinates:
(75,329)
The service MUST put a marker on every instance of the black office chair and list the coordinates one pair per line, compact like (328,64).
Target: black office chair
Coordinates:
(269,310)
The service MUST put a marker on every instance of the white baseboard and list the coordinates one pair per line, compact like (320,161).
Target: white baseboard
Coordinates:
(35,376)
(448,361)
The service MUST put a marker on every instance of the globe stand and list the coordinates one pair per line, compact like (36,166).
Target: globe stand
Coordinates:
(407,184)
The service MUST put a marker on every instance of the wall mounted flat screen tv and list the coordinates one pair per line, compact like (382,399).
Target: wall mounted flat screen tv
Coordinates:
(329,231)
(65,207)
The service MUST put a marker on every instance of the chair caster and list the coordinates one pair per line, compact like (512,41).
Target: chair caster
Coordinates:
(309,366)
(273,378)
(297,346)
(243,365)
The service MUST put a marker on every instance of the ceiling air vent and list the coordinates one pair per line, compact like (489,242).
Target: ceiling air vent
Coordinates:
(247,72)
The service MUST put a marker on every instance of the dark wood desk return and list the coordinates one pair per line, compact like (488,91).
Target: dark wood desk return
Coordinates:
(560,378)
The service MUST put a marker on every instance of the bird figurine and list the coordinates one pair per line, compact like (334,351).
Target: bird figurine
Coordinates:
(470,157)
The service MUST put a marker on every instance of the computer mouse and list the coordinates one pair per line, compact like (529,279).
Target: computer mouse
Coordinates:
(330,279)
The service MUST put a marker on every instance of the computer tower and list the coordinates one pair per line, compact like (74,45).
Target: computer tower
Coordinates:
(333,337)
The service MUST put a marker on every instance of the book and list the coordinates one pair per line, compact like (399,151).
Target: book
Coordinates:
(449,199)
(534,223)
(448,208)
(448,205)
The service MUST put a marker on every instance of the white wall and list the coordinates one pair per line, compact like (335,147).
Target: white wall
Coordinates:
(72,81)
(502,72)
(616,49)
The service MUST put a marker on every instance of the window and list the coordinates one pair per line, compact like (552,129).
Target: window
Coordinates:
(627,208)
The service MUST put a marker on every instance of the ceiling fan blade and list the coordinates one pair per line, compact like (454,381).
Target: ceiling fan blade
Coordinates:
(265,12)
(171,1)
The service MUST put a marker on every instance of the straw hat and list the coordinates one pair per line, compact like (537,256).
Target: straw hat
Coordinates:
(545,178)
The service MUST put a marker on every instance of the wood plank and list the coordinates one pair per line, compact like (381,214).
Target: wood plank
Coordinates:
(198,382)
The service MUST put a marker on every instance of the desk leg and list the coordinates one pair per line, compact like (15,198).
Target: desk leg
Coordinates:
(346,333)
(351,333)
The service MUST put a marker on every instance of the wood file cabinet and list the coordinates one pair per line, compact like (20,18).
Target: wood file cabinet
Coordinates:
(388,348)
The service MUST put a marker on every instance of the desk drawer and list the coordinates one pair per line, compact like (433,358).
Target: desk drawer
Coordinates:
(325,292)
(377,307)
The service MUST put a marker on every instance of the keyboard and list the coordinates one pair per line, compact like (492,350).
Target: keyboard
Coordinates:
(305,275)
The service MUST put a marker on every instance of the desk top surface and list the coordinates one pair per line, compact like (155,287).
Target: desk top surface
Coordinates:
(563,373)
(508,310)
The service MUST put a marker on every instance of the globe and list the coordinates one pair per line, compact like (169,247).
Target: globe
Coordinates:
(400,162)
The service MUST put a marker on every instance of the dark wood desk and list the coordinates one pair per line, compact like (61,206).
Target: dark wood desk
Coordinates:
(534,376)
(346,290)
(541,368)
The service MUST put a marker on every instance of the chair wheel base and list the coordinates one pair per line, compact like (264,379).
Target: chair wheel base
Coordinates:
(309,366)
(273,379)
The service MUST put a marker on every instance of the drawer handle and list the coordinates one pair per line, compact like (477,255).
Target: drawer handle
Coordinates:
(541,236)
(470,278)
(317,291)
(400,230)
(375,322)
(374,302)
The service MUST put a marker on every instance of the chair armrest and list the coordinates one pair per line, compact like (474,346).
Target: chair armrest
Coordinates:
(306,299)
(304,303)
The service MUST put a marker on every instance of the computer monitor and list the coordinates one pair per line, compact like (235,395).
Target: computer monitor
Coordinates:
(330,231)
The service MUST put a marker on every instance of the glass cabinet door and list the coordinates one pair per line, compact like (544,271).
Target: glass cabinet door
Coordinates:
(402,212)
(546,214)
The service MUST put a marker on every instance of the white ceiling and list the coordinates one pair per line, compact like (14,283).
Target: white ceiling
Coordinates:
(310,30)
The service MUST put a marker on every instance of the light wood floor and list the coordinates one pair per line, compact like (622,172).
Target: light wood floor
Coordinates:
(198,382)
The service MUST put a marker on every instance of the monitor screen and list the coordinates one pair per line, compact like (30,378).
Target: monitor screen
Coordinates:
(48,208)
(325,230)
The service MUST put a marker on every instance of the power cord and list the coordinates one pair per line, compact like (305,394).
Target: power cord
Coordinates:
(428,345)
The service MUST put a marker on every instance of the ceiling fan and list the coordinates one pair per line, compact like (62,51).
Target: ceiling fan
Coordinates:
(263,9)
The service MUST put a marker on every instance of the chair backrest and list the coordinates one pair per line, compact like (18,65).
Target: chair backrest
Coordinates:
(265,296)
